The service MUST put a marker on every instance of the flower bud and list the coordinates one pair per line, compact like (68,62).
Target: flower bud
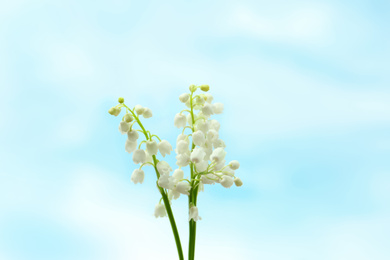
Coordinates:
(151,147)
(139,156)
(128,118)
(147,112)
(183,187)
(165,147)
(192,88)
(121,100)
(139,109)
(198,138)
(218,108)
(114,111)
(234,165)
(138,176)
(238,182)
(226,181)
(180,120)
(159,211)
(184,97)
(132,135)
(205,88)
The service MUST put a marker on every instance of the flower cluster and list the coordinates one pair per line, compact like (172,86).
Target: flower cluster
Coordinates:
(201,149)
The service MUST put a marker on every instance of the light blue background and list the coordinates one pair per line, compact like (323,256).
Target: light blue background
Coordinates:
(307,113)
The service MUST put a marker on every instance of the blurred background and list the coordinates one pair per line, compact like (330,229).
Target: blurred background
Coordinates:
(307,113)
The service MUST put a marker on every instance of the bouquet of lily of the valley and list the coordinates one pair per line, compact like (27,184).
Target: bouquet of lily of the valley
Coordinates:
(199,148)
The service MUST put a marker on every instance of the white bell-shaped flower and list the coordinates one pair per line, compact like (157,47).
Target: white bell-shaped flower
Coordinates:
(173,194)
(208,97)
(165,147)
(182,160)
(130,146)
(218,108)
(197,155)
(193,214)
(132,135)
(178,174)
(163,168)
(198,138)
(214,124)
(238,182)
(181,137)
(228,171)
(200,100)
(183,187)
(219,143)
(166,182)
(202,125)
(189,119)
(139,156)
(159,211)
(218,155)
(208,178)
(139,109)
(207,110)
(184,97)
(124,127)
(128,118)
(147,112)
(234,165)
(226,181)
(182,147)
(151,147)
(180,120)
(201,166)
(114,111)
(212,135)
(138,176)
(219,165)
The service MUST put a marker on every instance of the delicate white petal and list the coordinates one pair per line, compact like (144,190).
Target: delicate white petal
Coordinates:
(182,160)
(138,176)
(159,211)
(151,147)
(166,182)
(132,135)
(178,174)
(212,135)
(124,127)
(218,155)
(182,147)
(184,97)
(180,120)
(207,110)
(165,147)
(130,146)
(193,214)
(139,156)
(198,138)
(163,168)
(183,187)
(197,155)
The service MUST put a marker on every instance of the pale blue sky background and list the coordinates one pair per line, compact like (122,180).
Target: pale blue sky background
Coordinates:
(307,113)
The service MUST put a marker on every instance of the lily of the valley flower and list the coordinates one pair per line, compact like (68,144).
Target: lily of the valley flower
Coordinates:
(124,127)
(159,211)
(198,138)
(139,156)
(163,168)
(165,181)
(139,109)
(132,135)
(151,147)
(115,111)
(183,187)
(226,181)
(234,165)
(180,120)
(218,155)
(197,155)
(238,182)
(165,147)
(147,112)
(130,146)
(193,214)
(138,176)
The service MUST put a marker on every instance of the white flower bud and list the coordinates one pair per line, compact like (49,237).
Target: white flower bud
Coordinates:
(128,118)
(124,127)
(180,120)
(226,181)
(193,214)
(130,146)
(139,109)
(238,182)
(218,108)
(165,147)
(138,176)
(147,112)
(166,182)
(114,111)
(212,135)
(197,155)
(207,110)
(139,156)
(192,88)
(178,174)
(159,211)
(234,165)
(218,155)
(182,160)
(183,187)
(182,147)
(228,171)
(198,138)
(151,147)
(163,168)
(132,135)
(184,97)
(219,165)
